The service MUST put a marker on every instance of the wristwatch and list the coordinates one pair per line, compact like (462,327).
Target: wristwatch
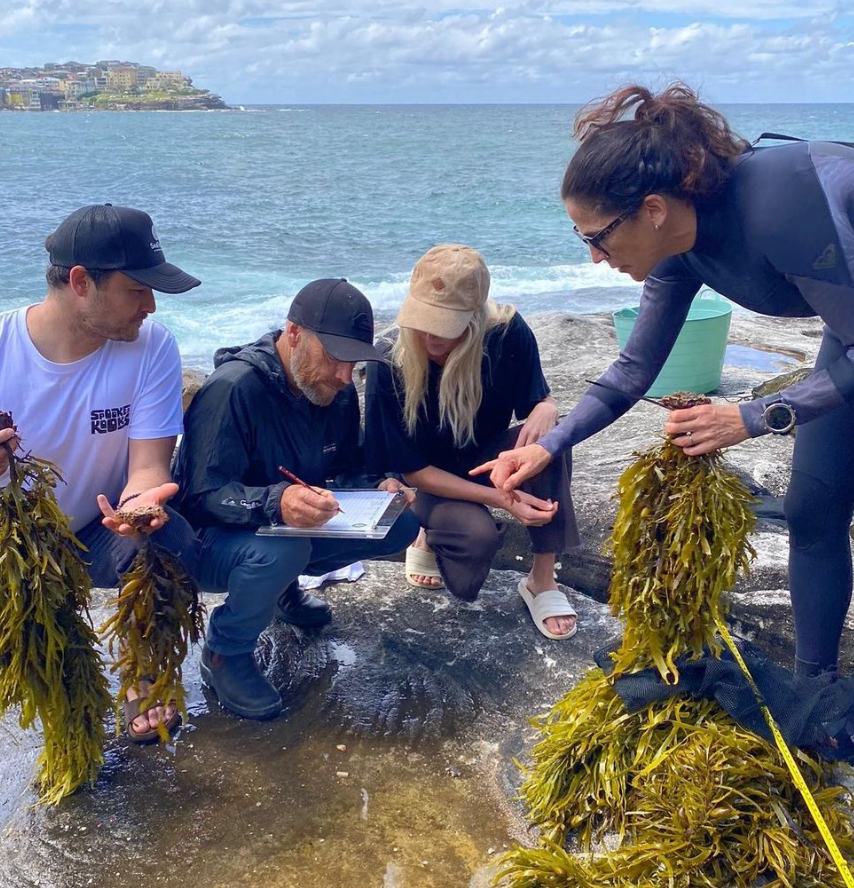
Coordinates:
(779,417)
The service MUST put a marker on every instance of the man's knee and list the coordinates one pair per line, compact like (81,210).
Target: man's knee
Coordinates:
(277,555)
(179,539)
(814,511)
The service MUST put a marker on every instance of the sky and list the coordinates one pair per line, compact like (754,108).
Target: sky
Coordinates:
(343,51)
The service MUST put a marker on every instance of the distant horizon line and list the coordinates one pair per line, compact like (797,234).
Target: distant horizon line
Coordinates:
(234,102)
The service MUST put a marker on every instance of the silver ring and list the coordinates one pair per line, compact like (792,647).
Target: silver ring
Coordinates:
(690,434)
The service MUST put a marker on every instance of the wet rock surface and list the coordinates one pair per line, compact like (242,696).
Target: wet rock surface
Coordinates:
(428,699)
(392,765)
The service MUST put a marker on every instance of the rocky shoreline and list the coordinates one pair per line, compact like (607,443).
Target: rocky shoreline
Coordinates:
(393,763)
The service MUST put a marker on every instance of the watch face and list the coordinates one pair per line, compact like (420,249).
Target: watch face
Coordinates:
(779,417)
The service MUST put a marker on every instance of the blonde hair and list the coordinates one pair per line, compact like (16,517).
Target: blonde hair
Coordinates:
(460,388)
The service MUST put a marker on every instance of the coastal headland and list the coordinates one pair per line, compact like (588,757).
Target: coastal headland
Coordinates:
(107,85)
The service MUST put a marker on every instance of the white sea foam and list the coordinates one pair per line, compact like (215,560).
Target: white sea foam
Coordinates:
(514,283)
(241,307)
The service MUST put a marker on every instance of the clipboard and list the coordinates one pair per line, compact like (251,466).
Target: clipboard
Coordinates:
(368,515)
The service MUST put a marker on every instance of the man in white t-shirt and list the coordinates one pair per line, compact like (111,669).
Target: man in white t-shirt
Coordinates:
(95,387)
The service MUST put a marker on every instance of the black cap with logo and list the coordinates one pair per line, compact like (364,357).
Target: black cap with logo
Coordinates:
(340,315)
(107,238)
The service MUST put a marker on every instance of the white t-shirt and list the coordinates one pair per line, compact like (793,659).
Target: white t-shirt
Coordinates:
(81,415)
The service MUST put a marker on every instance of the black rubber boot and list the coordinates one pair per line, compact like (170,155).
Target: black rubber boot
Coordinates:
(302,609)
(239,685)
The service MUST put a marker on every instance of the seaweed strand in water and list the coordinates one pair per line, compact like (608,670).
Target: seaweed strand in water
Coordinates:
(158,615)
(49,665)
(675,794)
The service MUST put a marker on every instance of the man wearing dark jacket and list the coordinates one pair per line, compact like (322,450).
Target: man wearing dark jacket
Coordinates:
(285,400)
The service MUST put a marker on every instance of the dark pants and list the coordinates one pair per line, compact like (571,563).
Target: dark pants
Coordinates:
(465,537)
(819,505)
(253,570)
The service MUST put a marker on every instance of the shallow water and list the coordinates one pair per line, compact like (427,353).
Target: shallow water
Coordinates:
(274,804)
(301,801)
(759,359)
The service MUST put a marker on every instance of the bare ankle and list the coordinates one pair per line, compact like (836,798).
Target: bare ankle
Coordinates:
(421,541)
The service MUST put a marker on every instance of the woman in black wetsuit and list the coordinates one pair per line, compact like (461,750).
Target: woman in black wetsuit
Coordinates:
(671,196)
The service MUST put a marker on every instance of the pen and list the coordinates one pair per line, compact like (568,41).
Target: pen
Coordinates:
(292,477)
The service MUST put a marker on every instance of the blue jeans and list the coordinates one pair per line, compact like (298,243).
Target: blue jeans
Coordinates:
(256,570)
(110,555)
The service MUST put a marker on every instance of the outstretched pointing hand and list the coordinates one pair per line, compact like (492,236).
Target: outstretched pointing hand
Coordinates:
(512,467)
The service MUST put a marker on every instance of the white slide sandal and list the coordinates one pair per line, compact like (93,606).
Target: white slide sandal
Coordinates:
(551,603)
(420,562)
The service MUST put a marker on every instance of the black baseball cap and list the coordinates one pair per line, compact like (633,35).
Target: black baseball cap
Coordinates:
(107,238)
(340,316)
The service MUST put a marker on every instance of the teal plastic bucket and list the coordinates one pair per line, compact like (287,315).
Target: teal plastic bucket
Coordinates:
(697,359)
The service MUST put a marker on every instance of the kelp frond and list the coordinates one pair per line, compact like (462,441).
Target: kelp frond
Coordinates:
(675,794)
(158,615)
(49,665)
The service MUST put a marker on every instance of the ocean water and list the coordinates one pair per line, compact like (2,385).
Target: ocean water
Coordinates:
(259,201)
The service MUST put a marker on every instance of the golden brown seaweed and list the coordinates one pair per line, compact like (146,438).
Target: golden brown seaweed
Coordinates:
(158,615)
(49,665)
(677,794)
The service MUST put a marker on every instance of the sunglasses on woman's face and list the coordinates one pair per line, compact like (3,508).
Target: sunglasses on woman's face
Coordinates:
(595,240)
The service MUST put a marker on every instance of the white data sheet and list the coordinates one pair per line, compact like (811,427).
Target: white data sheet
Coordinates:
(365,513)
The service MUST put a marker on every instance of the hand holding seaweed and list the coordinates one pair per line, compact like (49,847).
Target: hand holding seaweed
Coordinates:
(147,512)
(49,666)
(679,540)
(705,428)
(8,441)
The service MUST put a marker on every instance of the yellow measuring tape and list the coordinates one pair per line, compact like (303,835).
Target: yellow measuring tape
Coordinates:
(804,790)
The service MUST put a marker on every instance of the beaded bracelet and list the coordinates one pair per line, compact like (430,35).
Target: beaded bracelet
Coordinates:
(127,499)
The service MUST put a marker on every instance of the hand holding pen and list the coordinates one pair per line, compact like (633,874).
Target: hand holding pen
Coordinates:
(302,505)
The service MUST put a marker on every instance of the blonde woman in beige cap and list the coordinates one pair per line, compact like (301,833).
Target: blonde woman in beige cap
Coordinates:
(460,367)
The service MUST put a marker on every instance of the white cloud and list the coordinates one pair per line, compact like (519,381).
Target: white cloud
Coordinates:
(444,50)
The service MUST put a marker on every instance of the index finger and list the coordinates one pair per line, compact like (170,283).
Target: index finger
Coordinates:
(484,467)
(320,499)
(540,504)
(685,414)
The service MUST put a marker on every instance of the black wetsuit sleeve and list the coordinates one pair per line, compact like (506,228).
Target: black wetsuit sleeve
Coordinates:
(213,453)
(664,305)
(825,389)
